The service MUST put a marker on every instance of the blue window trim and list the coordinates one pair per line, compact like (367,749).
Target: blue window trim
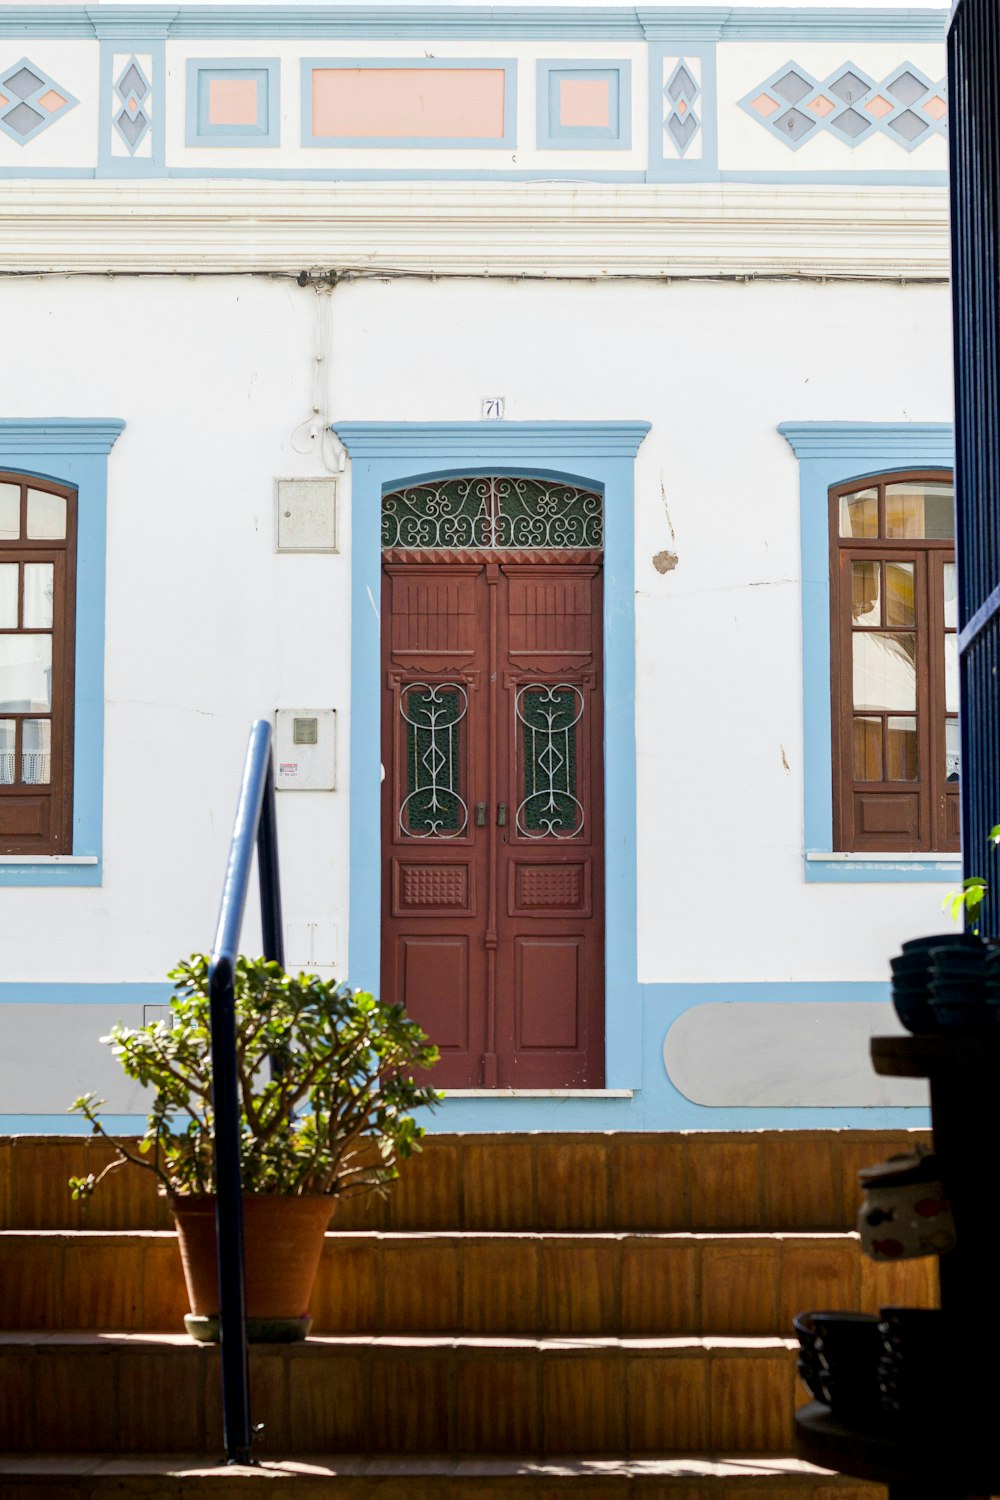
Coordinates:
(75,452)
(617,136)
(832,453)
(600,455)
(409,142)
(267,130)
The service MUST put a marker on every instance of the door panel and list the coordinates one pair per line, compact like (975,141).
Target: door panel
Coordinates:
(548,992)
(435,981)
(493,817)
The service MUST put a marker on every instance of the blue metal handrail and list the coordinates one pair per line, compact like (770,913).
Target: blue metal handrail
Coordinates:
(255,825)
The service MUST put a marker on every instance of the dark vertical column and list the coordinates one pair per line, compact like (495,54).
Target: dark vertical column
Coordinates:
(973,72)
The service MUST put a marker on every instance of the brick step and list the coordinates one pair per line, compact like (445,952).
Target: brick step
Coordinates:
(701,1180)
(156,1393)
(78,1477)
(374,1282)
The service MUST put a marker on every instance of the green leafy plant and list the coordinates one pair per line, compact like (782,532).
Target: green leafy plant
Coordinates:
(325,1084)
(968,901)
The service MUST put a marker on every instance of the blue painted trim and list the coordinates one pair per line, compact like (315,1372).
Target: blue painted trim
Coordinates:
(264,71)
(655,1105)
(835,23)
(105,993)
(75,452)
(616,136)
(832,453)
(703,168)
(410,142)
(508,440)
(904,871)
(109,165)
(600,455)
(26,435)
(123,24)
(22,1125)
(566,174)
(893,443)
(858,177)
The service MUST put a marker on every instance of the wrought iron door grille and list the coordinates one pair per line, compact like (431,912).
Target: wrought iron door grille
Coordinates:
(549,715)
(493,514)
(433,807)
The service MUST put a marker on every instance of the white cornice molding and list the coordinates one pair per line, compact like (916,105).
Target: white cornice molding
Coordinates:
(587,230)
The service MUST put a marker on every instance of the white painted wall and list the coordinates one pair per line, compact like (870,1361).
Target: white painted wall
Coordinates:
(208,628)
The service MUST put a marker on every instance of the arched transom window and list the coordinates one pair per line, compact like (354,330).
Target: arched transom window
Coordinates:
(489,513)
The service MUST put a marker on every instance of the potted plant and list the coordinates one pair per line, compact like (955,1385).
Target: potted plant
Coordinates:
(326,1098)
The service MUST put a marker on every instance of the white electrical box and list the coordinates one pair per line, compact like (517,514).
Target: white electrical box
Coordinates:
(306,515)
(310,945)
(305,749)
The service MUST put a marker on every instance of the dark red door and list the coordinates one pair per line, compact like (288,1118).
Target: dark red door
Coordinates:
(492,824)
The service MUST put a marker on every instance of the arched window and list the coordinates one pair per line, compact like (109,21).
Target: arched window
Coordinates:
(479,513)
(894,655)
(37,610)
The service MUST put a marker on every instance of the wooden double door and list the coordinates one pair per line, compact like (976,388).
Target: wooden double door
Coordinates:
(492,816)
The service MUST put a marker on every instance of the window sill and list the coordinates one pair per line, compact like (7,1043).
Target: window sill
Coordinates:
(49,859)
(539,1093)
(842,866)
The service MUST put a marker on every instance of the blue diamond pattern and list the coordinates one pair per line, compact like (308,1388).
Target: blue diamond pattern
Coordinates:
(133,121)
(850,105)
(681,122)
(32,101)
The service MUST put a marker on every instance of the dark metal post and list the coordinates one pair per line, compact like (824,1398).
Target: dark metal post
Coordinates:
(256,794)
(229,1219)
(267,866)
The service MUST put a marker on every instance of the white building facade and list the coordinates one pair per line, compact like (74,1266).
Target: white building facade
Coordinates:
(607,805)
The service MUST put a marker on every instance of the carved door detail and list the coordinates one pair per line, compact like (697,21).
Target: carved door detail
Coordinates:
(492,814)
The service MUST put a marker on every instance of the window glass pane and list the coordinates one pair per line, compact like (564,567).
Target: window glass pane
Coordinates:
(867,749)
(901,749)
(920,508)
(866,581)
(952,749)
(859,513)
(951,673)
(8,730)
(46,515)
(885,671)
(10,512)
(950,597)
(899,598)
(8,596)
(38,586)
(25,673)
(36,752)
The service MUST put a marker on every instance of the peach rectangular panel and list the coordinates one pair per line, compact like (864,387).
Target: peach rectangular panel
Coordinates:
(584,101)
(232,101)
(408,103)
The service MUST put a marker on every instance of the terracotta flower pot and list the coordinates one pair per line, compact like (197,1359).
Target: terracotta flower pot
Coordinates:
(283,1242)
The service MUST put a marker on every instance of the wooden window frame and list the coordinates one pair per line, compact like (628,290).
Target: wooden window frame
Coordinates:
(55,835)
(934,823)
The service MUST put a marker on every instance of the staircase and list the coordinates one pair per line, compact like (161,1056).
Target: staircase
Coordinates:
(526,1313)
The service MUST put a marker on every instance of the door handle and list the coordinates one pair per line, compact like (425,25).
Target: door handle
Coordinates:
(502,815)
(480,814)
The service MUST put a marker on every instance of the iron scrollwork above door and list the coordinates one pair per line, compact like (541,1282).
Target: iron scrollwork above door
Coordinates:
(433,807)
(494,514)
